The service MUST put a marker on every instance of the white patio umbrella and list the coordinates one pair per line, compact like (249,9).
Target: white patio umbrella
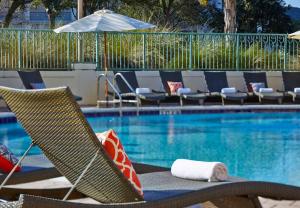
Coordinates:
(295,35)
(104,21)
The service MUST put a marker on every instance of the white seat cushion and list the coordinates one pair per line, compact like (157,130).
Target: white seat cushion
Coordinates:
(185,90)
(228,90)
(142,90)
(266,90)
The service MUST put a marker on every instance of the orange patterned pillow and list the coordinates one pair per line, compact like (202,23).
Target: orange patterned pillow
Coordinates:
(174,86)
(113,146)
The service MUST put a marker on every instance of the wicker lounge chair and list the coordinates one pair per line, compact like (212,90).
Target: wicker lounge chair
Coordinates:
(56,124)
(291,80)
(127,90)
(34,77)
(176,76)
(261,77)
(216,81)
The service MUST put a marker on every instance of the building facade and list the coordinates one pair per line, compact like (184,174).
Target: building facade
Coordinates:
(32,17)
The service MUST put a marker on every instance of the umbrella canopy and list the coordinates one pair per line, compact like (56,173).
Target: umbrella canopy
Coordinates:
(106,21)
(295,35)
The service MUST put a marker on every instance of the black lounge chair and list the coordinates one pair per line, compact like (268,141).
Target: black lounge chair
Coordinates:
(176,76)
(33,80)
(261,77)
(291,80)
(127,90)
(216,81)
(93,174)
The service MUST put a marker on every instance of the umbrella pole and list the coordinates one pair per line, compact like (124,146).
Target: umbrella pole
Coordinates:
(105,67)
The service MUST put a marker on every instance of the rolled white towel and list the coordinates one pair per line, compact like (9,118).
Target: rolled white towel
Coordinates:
(143,90)
(297,90)
(198,170)
(228,90)
(184,90)
(266,90)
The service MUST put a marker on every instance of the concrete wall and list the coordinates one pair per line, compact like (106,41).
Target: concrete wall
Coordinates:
(84,82)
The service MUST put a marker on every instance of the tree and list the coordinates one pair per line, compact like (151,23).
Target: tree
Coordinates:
(268,16)
(90,6)
(169,13)
(12,9)
(54,8)
(230,16)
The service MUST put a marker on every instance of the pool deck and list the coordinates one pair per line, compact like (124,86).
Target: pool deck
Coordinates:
(41,161)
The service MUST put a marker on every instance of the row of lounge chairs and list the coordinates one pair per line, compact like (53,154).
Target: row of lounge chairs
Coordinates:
(127,84)
(58,127)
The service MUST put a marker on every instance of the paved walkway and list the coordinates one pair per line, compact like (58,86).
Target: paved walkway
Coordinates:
(268,203)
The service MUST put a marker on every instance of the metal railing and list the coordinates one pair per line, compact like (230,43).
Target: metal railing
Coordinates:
(44,49)
(106,101)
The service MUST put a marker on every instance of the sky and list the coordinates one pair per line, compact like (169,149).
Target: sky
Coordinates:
(295,3)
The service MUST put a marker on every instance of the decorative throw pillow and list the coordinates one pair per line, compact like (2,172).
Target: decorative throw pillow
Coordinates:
(255,86)
(114,148)
(38,86)
(174,86)
(7,160)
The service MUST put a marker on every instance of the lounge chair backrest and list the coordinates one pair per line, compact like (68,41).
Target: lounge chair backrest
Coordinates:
(173,76)
(291,80)
(255,77)
(216,81)
(130,78)
(29,77)
(56,124)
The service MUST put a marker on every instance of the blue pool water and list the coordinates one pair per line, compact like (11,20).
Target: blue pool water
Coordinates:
(257,146)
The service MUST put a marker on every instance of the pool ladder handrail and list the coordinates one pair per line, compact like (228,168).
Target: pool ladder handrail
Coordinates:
(138,101)
(120,101)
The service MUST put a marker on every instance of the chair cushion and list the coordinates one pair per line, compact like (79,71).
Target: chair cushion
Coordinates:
(297,90)
(266,90)
(161,185)
(7,160)
(142,90)
(38,85)
(229,90)
(255,86)
(114,148)
(181,91)
(174,86)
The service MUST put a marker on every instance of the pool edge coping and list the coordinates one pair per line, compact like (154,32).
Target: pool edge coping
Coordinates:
(9,117)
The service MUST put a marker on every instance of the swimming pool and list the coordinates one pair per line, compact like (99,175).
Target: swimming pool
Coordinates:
(257,146)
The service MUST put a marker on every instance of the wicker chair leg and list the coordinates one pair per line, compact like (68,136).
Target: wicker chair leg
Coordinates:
(223,101)
(181,101)
(138,104)
(260,100)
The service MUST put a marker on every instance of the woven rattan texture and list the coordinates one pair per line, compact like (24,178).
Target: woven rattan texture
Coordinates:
(56,124)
